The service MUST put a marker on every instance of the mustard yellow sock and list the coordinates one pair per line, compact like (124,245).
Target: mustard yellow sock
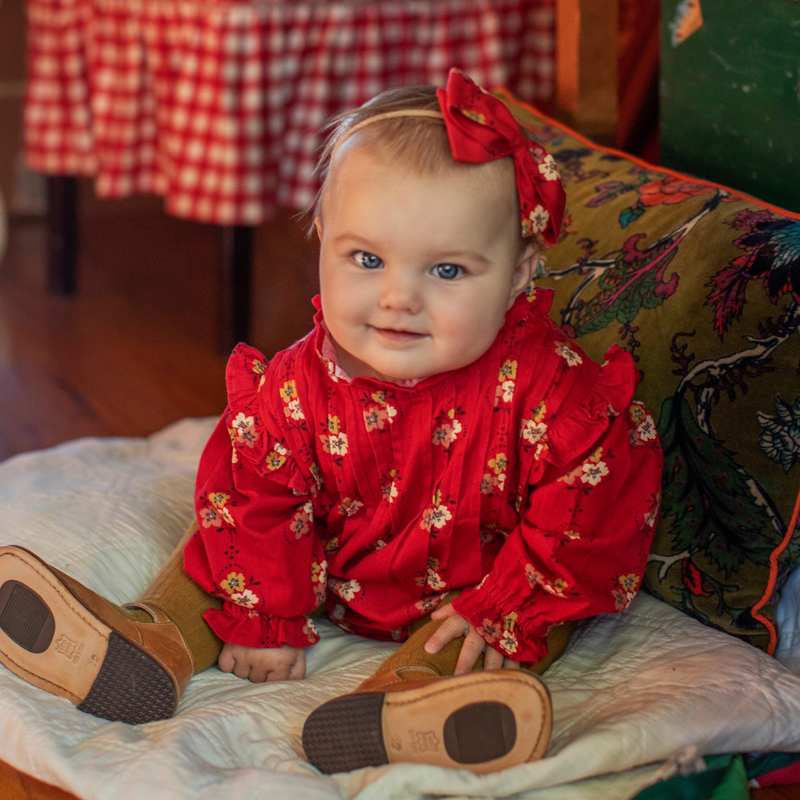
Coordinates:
(412,662)
(183,601)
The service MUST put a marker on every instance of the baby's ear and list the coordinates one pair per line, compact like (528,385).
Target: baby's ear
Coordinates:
(524,271)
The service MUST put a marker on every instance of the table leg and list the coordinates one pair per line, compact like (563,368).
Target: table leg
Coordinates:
(62,234)
(235,270)
(235,260)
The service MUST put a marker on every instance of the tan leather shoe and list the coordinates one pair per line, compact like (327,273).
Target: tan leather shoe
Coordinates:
(64,638)
(484,721)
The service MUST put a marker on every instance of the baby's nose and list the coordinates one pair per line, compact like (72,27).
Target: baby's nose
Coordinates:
(401,291)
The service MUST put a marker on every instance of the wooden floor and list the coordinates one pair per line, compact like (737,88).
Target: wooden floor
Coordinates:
(138,346)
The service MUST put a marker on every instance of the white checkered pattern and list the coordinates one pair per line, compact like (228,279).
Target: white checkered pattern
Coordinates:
(217,105)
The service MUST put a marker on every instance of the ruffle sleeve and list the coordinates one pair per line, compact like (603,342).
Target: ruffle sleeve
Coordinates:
(256,546)
(590,493)
(572,434)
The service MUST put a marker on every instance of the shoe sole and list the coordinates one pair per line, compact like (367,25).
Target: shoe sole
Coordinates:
(51,640)
(483,722)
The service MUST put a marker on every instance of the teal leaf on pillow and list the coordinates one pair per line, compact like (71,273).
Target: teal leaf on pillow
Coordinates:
(630,214)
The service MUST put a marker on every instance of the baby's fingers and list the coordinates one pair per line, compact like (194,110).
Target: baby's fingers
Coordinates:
(241,669)
(473,646)
(298,669)
(226,661)
(451,628)
(492,659)
(444,611)
(258,674)
(495,660)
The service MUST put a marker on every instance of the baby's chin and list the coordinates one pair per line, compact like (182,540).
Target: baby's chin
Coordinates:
(402,370)
(400,376)
(391,373)
(415,375)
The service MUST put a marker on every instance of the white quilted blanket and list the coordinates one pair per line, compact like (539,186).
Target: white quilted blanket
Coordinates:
(632,690)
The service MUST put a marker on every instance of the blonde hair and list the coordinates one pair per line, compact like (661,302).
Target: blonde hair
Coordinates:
(418,141)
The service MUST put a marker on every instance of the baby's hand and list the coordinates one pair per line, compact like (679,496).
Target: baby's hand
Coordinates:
(260,664)
(454,626)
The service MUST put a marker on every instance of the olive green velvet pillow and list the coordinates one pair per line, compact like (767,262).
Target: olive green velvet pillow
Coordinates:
(702,287)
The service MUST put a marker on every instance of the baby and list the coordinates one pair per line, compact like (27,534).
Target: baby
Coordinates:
(434,464)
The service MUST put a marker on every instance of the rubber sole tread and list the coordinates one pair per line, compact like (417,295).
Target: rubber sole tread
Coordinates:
(130,687)
(346,734)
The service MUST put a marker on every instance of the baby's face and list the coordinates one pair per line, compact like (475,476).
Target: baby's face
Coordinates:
(417,272)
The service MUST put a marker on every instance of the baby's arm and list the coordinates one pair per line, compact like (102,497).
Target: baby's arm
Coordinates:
(454,626)
(260,664)
(259,497)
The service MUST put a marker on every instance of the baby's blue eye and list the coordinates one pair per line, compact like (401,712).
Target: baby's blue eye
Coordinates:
(368,260)
(447,271)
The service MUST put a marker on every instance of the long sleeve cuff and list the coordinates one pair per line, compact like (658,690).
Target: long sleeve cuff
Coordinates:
(503,629)
(237,625)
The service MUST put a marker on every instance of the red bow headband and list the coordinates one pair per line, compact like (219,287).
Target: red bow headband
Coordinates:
(481,128)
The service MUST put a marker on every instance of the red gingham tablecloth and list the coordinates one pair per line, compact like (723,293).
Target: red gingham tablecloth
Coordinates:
(217,105)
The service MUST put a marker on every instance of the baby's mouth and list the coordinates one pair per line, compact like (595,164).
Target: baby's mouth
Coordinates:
(394,335)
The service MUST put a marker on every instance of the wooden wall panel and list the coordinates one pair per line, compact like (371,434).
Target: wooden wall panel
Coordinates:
(586,66)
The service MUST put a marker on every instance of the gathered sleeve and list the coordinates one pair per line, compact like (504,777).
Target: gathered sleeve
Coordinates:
(256,546)
(589,496)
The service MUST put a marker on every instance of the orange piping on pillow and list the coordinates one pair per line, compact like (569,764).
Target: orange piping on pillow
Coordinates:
(509,98)
(773,577)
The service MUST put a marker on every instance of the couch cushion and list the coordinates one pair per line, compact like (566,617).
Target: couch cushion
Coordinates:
(702,286)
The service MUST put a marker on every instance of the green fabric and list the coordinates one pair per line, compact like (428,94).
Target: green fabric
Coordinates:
(758,765)
(735,79)
(703,289)
(724,779)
